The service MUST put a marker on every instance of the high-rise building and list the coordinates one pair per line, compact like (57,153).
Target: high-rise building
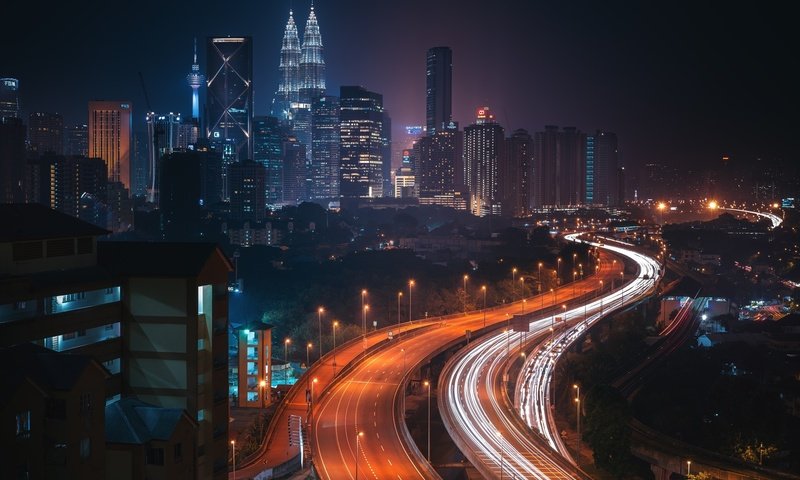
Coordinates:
(312,62)
(12,159)
(439,163)
(229,96)
(9,98)
(386,153)
(72,185)
(163,135)
(601,168)
(46,133)
(140,164)
(289,84)
(515,174)
(294,171)
(76,140)
(195,79)
(361,149)
(483,142)
(438,89)
(325,140)
(559,167)
(404,179)
(189,184)
(110,128)
(268,135)
(247,191)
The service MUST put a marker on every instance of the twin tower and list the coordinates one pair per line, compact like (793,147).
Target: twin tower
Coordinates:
(302,68)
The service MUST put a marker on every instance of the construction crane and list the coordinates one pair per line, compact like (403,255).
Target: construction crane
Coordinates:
(154,130)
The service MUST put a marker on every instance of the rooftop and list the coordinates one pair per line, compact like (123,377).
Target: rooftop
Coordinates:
(31,221)
(132,421)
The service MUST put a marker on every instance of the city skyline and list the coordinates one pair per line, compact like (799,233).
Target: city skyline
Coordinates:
(707,76)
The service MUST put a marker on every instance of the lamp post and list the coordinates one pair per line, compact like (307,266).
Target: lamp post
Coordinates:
(358,438)
(410,284)
(466,277)
(320,311)
(558,269)
(363,318)
(484,304)
(522,286)
(500,449)
(428,384)
(524,301)
(308,348)
(263,385)
(688,467)
(311,401)
(574,274)
(600,294)
(540,277)
(399,296)
(286,360)
(233,457)
(513,283)
(580,270)
(578,410)
(334,325)
(564,315)
(621,283)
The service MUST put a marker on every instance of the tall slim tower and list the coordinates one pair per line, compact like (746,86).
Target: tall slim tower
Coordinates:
(195,80)
(361,148)
(110,126)
(438,89)
(483,141)
(312,63)
(289,85)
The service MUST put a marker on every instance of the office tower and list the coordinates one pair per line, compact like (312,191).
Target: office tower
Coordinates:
(439,163)
(289,84)
(229,96)
(247,180)
(618,199)
(483,141)
(189,184)
(12,160)
(325,140)
(361,149)
(438,88)
(188,133)
(515,173)
(268,135)
(140,164)
(76,140)
(601,168)
(72,185)
(312,62)
(195,80)
(163,133)
(46,133)
(386,153)
(294,171)
(404,179)
(110,128)
(409,135)
(559,167)
(9,98)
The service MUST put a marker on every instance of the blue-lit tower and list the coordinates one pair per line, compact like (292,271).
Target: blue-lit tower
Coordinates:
(195,80)
(289,85)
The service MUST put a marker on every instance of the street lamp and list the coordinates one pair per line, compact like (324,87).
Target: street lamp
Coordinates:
(263,385)
(410,284)
(466,277)
(621,282)
(574,274)
(428,384)
(286,360)
(524,301)
(540,277)
(334,325)
(522,286)
(308,348)
(358,438)
(233,457)
(578,409)
(500,449)
(484,304)
(600,294)
(688,467)
(558,269)
(564,315)
(513,282)
(399,296)
(320,311)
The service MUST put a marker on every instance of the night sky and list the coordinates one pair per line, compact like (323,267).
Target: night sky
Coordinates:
(678,82)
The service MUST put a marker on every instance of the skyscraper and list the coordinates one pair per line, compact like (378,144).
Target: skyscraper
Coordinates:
(229,96)
(294,171)
(386,153)
(247,191)
(312,62)
(195,80)
(559,167)
(110,126)
(163,132)
(289,84)
(9,98)
(12,159)
(268,134)
(601,168)
(46,133)
(439,163)
(515,174)
(76,140)
(361,149)
(483,142)
(438,89)
(325,140)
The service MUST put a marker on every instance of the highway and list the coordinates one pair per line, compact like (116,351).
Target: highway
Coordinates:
(495,436)
(358,428)
(776,220)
